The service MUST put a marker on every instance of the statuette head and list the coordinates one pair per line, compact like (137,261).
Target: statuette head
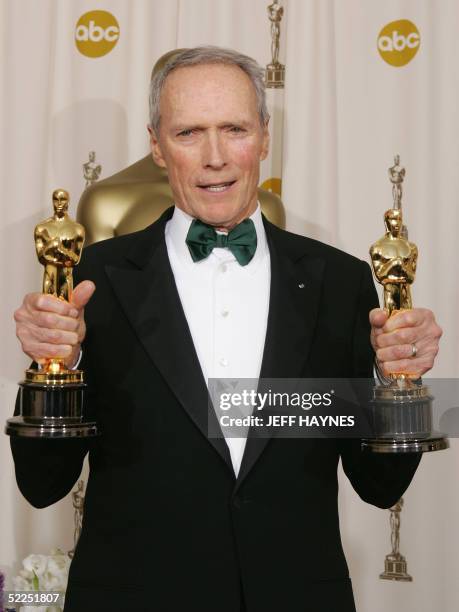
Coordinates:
(60,200)
(393,221)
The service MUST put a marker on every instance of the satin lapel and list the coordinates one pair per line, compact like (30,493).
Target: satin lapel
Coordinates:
(296,281)
(149,298)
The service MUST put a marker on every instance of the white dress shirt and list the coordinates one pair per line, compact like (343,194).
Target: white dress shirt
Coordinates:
(226,307)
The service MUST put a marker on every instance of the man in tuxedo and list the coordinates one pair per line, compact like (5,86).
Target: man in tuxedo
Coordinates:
(175,520)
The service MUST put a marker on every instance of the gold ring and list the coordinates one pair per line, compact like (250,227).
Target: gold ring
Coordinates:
(414,350)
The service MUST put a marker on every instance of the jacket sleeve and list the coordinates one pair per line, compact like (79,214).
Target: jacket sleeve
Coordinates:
(379,479)
(46,470)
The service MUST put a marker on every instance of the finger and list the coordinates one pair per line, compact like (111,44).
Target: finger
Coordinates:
(395,353)
(413,367)
(49,303)
(405,318)
(51,320)
(39,351)
(404,335)
(54,336)
(378,317)
(82,294)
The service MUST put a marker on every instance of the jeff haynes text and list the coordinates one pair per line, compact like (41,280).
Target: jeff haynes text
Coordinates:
(288,420)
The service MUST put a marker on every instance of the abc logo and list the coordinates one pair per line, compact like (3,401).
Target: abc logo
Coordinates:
(398,42)
(96,33)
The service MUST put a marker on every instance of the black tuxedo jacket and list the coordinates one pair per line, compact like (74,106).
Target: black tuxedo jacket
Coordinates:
(167,525)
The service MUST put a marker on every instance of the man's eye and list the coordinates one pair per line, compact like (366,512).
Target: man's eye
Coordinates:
(185,133)
(236,129)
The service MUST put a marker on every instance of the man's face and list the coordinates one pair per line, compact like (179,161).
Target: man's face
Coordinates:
(211,142)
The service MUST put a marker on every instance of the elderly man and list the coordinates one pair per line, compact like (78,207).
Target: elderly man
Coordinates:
(211,290)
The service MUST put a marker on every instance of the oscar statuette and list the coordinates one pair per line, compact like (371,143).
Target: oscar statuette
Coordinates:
(400,412)
(51,396)
(395,567)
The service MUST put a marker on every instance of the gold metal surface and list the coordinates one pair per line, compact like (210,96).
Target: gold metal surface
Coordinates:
(62,377)
(394,261)
(58,241)
(275,71)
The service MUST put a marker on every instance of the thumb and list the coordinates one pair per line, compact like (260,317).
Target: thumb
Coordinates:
(82,294)
(378,317)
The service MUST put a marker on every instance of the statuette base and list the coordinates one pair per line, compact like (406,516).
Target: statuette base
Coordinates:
(400,416)
(395,568)
(275,76)
(51,406)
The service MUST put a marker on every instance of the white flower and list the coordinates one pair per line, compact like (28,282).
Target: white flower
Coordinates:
(21,584)
(58,563)
(36,563)
(53,582)
(26,575)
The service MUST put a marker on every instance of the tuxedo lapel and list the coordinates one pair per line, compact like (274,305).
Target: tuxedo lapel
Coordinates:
(296,281)
(148,295)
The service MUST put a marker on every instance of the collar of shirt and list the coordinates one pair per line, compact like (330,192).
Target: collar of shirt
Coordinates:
(177,229)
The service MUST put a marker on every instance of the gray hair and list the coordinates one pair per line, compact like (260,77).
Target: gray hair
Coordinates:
(208,55)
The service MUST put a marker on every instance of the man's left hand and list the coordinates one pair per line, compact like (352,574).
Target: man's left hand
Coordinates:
(405,342)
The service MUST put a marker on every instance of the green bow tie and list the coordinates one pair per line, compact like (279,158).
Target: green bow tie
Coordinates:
(241,241)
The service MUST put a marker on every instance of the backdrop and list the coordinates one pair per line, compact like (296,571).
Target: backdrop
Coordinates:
(364,80)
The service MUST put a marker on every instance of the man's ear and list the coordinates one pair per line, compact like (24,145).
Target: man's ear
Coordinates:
(155,148)
(265,143)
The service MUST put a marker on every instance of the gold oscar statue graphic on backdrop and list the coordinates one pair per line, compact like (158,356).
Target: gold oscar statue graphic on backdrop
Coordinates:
(51,397)
(91,170)
(401,411)
(275,71)
(395,567)
(78,507)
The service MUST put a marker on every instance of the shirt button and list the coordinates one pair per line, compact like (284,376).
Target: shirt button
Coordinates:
(223,362)
(225,312)
(223,267)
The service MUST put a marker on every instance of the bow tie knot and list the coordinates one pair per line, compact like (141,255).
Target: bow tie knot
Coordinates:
(241,241)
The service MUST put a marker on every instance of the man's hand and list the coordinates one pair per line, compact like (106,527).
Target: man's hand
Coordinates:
(49,327)
(393,340)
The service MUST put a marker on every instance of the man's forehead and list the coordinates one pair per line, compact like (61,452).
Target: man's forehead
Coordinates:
(207,79)
(218,89)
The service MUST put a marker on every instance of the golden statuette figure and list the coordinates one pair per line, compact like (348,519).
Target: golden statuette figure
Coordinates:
(401,409)
(395,567)
(51,396)
(394,260)
(59,241)
(275,71)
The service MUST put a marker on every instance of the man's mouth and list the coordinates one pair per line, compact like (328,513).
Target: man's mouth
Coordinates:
(217,187)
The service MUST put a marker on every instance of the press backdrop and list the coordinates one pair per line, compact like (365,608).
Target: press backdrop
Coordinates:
(358,89)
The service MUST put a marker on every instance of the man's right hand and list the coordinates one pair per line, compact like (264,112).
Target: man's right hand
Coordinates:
(49,327)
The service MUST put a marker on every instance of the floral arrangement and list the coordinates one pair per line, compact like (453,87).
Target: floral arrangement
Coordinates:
(43,573)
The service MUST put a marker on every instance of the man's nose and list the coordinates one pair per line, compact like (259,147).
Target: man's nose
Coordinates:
(214,154)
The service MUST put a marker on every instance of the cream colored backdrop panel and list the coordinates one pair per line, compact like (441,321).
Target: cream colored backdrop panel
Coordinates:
(346,112)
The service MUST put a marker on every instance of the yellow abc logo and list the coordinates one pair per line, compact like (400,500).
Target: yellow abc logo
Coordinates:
(96,33)
(398,42)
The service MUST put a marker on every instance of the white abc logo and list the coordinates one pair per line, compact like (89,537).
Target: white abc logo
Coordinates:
(95,33)
(398,42)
